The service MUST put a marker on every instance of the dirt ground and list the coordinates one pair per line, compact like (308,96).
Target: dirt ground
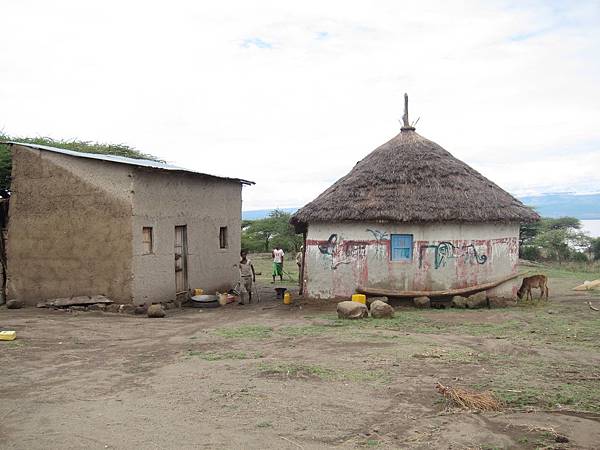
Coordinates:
(294,377)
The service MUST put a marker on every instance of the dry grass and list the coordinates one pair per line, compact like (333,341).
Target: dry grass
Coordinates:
(462,398)
(434,187)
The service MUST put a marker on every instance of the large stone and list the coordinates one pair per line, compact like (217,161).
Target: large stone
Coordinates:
(141,309)
(97,307)
(156,311)
(478,300)
(352,310)
(113,308)
(127,308)
(14,304)
(374,299)
(422,302)
(459,302)
(381,310)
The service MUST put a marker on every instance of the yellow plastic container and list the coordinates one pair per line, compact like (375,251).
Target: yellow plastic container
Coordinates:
(359,298)
(287,298)
(8,335)
(198,291)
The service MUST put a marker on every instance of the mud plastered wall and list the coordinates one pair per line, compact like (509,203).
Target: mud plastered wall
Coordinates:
(342,257)
(69,228)
(204,205)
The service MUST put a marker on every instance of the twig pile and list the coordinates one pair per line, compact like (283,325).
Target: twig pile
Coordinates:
(461,398)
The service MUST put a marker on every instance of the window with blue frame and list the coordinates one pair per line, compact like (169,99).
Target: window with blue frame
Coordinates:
(401,246)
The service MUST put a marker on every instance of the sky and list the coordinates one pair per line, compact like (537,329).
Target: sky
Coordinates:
(292,94)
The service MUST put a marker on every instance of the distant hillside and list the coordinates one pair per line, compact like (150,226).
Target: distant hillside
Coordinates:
(557,205)
(585,207)
(262,213)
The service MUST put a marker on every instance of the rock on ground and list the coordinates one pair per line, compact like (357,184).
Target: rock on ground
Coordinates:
(141,309)
(352,310)
(374,299)
(381,310)
(478,300)
(422,302)
(14,304)
(459,302)
(156,311)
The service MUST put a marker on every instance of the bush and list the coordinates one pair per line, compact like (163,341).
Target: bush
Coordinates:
(579,257)
(530,253)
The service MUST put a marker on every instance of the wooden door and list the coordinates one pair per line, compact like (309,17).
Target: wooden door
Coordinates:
(181,279)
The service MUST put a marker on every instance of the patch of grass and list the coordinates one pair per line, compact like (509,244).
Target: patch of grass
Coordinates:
(305,330)
(217,356)
(245,332)
(13,344)
(296,370)
(583,396)
(264,424)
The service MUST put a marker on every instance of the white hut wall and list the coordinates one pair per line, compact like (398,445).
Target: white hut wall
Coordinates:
(343,256)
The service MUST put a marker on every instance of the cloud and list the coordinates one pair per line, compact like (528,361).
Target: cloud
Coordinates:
(292,95)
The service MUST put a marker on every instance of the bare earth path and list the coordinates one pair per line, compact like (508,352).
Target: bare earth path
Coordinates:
(281,377)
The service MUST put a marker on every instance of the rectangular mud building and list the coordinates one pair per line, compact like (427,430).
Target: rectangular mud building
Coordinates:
(137,231)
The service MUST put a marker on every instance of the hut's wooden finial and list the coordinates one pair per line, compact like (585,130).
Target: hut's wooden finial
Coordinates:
(405,123)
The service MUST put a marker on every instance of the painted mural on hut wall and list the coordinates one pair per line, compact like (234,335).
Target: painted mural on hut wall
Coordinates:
(433,265)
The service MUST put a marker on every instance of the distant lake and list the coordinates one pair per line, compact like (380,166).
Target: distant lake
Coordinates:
(592,227)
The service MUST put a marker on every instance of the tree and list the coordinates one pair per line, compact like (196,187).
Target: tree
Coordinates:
(75,145)
(275,230)
(595,247)
(559,239)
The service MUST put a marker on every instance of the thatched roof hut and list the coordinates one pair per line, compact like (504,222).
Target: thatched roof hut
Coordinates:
(411,218)
(412,179)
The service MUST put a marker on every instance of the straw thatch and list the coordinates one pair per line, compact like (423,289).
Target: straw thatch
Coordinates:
(412,179)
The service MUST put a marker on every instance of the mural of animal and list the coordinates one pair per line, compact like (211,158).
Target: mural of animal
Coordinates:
(535,281)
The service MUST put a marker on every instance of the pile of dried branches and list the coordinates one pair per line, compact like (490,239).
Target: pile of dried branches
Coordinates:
(462,398)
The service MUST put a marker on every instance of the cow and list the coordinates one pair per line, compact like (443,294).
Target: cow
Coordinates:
(535,281)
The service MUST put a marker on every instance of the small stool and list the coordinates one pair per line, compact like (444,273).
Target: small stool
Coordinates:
(280,292)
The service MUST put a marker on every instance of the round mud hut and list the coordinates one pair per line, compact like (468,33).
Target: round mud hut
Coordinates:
(409,220)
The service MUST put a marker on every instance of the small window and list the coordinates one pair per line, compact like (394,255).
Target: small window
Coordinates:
(223,237)
(147,240)
(401,247)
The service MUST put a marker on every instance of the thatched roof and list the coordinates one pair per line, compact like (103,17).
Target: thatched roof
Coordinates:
(412,179)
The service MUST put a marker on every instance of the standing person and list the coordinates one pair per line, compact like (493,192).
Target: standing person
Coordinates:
(248,276)
(277,263)
(299,264)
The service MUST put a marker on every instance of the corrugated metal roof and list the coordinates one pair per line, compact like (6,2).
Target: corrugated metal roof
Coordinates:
(123,160)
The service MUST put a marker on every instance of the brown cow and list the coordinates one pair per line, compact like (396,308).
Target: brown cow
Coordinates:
(536,281)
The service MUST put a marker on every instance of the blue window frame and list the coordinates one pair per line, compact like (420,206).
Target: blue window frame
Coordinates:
(402,245)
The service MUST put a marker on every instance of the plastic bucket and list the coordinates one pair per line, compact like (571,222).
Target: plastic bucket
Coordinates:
(359,298)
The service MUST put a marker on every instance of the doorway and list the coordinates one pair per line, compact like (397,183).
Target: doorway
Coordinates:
(181,275)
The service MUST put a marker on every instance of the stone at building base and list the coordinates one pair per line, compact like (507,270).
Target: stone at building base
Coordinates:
(370,300)
(381,310)
(422,302)
(478,300)
(352,310)
(141,309)
(459,302)
(97,307)
(14,304)
(127,308)
(156,311)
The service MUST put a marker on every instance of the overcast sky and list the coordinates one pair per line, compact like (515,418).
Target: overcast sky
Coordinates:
(292,94)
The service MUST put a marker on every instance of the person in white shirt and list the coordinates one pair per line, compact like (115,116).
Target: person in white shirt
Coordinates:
(278,263)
